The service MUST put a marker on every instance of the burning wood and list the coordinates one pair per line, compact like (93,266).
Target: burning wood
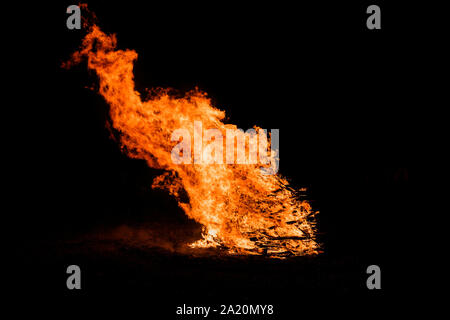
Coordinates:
(240,207)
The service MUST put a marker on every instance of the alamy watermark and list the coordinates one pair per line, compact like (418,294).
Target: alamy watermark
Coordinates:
(237,147)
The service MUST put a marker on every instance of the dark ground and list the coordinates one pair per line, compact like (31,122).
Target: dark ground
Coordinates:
(352,92)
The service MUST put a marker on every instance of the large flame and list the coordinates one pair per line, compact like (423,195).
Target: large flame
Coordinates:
(241,208)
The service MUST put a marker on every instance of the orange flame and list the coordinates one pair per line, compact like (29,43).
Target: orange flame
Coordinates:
(240,208)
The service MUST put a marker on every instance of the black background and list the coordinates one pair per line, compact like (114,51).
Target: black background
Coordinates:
(343,97)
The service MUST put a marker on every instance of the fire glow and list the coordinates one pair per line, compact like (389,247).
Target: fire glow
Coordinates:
(240,208)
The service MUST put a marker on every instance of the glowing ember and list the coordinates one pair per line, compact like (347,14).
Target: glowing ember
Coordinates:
(241,208)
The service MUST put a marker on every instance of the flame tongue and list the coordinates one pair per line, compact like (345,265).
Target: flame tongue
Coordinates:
(240,208)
